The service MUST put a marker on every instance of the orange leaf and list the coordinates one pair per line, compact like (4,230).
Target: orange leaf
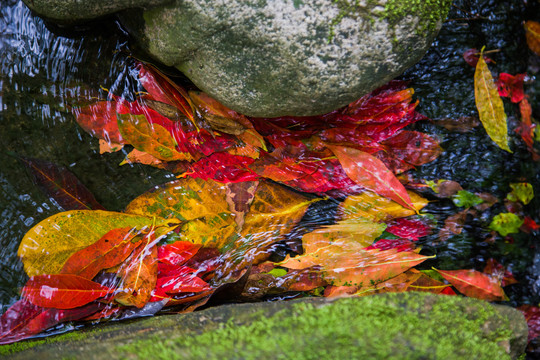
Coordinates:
(475,284)
(532,33)
(371,173)
(113,248)
(62,291)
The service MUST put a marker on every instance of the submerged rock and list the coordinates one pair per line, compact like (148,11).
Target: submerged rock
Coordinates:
(387,326)
(285,57)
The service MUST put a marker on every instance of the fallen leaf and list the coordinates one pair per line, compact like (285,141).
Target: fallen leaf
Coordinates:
(532,316)
(511,86)
(462,124)
(99,120)
(150,138)
(497,270)
(62,291)
(408,229)
(413,147)
(139,276)
(506,223)
(397,284)
(532,34)
(444,188)
(471,57)
(371,173)
(113,248)
(475,284)
(372,206)
(453,225)
(522,192)
(48,245)
(177,253)
(466,199)
(62,185)
(490,106)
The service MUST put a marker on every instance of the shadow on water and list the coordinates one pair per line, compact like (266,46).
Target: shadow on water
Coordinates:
(43,73)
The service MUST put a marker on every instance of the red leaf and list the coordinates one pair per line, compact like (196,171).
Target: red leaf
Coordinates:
(475,284)
(99,120)
(511,86)
(413,147)
(177,253)
(498,271)
(532,315)
(371,173)
(24,319)
(529,225)
(62,291)
(387,244)
(222,167)
(409,229)
(183,281)
(109,251)
(61,185)
(472,56)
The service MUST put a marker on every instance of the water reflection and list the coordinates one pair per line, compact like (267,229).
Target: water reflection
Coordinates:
(41,75)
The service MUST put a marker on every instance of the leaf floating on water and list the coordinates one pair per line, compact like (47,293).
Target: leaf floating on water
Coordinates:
(371,173)
(506,223)
(490,106)
(532,33)
(62,291)
(523,192)
(61,185)
(99,120)
(475,284)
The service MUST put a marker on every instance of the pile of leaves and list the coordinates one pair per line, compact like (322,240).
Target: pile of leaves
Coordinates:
(231,226)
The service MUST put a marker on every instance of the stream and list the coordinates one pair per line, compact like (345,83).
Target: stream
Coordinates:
(46,69)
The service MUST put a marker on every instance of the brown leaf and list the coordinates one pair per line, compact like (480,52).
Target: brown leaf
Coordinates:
(463,124)
(532,33)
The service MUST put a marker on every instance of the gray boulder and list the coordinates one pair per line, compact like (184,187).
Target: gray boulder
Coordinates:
(386,326)
(280,57)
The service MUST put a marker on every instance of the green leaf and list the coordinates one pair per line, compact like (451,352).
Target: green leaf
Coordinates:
(277,272)
(466,199)
(506,223)
(521,192)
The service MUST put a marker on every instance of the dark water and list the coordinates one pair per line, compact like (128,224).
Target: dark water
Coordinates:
(45,69)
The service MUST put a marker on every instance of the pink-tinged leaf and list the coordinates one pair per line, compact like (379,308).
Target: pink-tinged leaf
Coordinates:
(177,253)
(413,147)
(471,57)
(532,316)
(99,120)
(62,185)
(497,270)
(399,244)
(371,173)
(62,291)
(475,284)
(408,229)
(183,281)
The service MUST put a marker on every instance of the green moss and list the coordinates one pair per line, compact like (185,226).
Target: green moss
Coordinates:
(430,12)
(25,345)
(373,327)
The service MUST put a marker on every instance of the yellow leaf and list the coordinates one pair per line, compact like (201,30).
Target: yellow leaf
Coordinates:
(46,247)
(400,283)
(153,139)
(374,207)
(489,104)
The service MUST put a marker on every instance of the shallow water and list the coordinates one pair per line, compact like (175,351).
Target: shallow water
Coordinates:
(45,69)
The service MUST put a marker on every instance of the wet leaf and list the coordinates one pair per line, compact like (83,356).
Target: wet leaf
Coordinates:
(397,284)
(522,192)
(466,199)
(506,223)
(24,319)
(61,184)
(444,188)
(99,120)
(371,173)
(372,206)
(360,232)
(408,229)
(532,33)
(178,252)
(109,251)
(490,106)
(62,291)
(48,245)
(426,283)
(413,147)
(150,138)
(497,270)
(462,124)
(453,225)
(139,277)
(471,57)
(475,284)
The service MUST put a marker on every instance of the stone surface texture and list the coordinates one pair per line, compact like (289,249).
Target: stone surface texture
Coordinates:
(288,57)
(386,326)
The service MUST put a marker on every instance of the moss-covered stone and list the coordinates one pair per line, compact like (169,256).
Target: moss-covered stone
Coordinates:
(388,326)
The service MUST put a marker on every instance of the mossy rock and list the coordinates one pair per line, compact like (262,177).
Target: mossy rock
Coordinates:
(279,57)
(387,326)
